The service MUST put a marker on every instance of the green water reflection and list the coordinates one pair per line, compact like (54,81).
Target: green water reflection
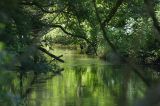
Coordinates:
(85,81)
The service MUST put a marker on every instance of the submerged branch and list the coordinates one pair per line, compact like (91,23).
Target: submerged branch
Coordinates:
(55,59)
(50,54)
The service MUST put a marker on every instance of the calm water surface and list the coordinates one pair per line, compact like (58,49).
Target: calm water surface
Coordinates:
(85,81)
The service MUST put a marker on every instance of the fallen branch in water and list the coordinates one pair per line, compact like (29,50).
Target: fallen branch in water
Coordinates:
(50,54)
(55,59)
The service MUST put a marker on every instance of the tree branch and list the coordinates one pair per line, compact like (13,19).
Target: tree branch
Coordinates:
(152,14)
(41,7)
(66,32)
(103,28)
(123,59)
(73,35)
(112,12)
(51,55)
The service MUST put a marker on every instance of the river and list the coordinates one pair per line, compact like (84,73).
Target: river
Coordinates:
(85,81)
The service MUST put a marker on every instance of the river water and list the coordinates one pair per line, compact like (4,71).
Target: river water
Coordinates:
(85,81)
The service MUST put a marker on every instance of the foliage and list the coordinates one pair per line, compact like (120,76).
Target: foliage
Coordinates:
(28,27)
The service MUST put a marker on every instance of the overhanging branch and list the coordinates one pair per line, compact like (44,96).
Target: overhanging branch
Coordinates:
(68,33)
(42,8)
(50,54)
(112,12)
(72,35)
(136,70)
(152,14)
(103,28)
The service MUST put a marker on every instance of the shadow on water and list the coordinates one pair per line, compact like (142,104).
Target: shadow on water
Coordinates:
(85,81)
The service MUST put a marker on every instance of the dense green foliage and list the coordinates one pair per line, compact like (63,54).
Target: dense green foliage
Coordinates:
(29,29)
(124,25)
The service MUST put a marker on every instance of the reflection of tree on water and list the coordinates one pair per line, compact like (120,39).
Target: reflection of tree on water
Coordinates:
(21,85)
(120,83)
(26,90)
(37,78)
(81,85)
